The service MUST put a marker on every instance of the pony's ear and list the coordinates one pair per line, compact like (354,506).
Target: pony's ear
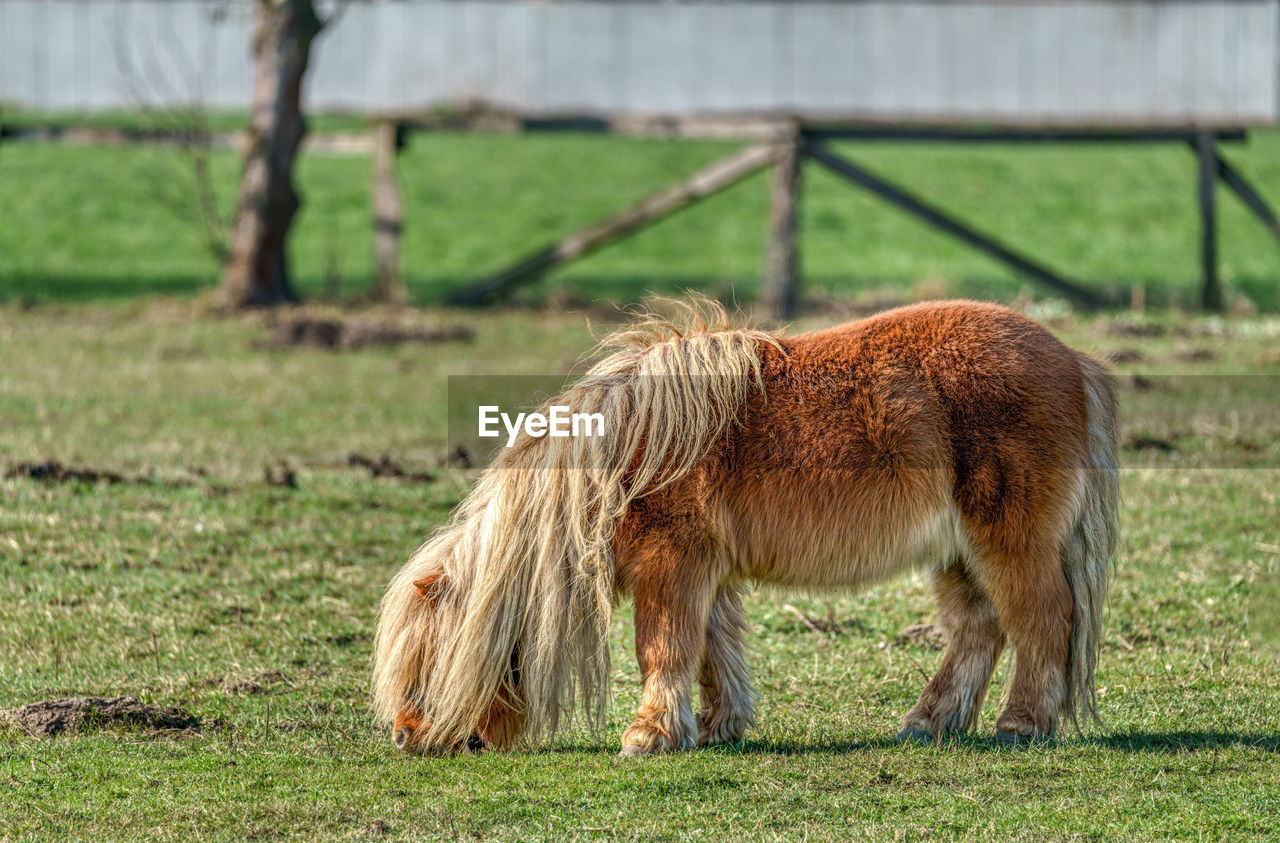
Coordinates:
(429,587)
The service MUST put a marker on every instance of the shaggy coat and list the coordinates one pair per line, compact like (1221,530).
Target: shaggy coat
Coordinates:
(957,438)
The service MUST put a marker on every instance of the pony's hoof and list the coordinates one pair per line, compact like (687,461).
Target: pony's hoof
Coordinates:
(911,734)
(725,731)
(1014,739)
(634,751)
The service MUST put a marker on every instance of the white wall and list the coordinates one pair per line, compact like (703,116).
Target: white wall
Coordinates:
(1038,63)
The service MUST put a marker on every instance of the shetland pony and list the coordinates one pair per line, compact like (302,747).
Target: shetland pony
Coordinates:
(957,438)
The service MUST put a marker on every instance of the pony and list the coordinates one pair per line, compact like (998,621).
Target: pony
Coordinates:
(957,438)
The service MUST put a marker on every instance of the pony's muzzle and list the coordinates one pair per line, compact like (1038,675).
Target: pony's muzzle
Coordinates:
(408,724)
(403,738)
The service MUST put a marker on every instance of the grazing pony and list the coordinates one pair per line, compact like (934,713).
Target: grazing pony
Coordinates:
(958,438)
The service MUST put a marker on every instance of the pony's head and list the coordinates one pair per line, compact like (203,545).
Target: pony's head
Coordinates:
(431,604)
(497,629)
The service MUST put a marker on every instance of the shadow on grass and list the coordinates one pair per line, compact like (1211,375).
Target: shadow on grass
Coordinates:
(1131,742)
(38,288)
(1184,741)
(433,291)
(1127,742)
(47,290)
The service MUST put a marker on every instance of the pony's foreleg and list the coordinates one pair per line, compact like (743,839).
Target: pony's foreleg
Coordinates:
(673,596)
(953,699)
(728,700)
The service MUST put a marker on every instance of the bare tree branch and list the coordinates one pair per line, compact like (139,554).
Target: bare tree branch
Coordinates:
(188,127)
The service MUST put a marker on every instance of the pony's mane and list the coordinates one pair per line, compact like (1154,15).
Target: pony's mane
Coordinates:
(527,556)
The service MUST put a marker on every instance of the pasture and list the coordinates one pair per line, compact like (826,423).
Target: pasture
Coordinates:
(82,223)
(232,562)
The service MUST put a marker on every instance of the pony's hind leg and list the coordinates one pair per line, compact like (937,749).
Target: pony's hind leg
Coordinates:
(1035,606)
(728,700)
(674,589)
(953,699)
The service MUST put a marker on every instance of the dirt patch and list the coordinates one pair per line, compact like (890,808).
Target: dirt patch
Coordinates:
(1195,355)
(1126,355)
(459,457)
(77,714)
(280,474)
(347,333)
(1251,446)
(1137,383)
(1144,442)
(1133,328)
(51,471)
(925,635)
(384,466)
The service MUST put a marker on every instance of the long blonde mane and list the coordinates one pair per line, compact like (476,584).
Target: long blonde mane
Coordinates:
(527,556)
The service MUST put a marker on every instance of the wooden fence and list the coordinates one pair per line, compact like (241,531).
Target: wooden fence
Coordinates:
(792,75)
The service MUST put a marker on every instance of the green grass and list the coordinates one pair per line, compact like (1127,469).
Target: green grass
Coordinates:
(100,222)
(201,576)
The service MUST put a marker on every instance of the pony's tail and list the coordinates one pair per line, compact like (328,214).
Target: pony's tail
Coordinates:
(1086,556)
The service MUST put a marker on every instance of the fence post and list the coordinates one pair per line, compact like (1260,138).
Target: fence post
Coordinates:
(387,215)
(1210,289)
(782,259)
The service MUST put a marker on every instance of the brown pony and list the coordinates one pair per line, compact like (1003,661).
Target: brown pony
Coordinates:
(958,438)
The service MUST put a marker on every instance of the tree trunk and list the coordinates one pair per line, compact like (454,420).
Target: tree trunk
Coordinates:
(257,268)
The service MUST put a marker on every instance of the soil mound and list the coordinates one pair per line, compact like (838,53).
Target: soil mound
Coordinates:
(50,471)
(74,714)
(350,333)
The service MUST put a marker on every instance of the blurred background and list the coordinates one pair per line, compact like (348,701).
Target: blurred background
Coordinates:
(1114,154)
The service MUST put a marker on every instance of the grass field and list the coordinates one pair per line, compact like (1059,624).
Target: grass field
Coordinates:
(194,583)
(94,222)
